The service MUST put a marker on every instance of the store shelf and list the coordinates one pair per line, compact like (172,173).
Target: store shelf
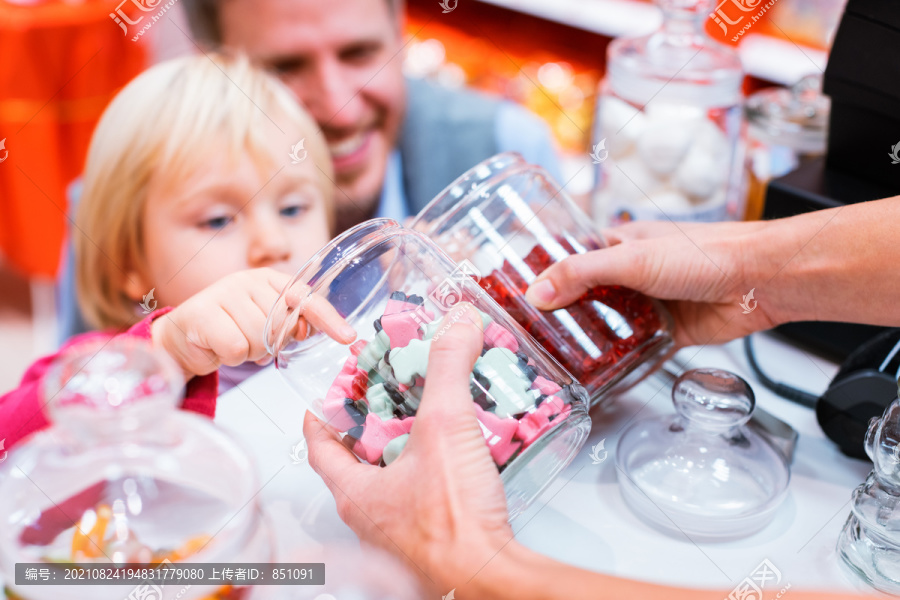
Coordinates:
(764,57)
(612,18)
(780,61)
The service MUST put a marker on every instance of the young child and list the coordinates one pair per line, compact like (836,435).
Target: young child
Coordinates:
(198,198)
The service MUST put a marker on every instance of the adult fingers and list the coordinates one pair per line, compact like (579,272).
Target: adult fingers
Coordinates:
(454,349)
(641,230)
(627,265)
(328,457)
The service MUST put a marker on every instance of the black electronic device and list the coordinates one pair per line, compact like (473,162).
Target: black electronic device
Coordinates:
(863,81)
(863,387)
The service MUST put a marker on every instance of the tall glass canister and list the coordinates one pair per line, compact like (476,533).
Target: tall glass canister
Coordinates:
(668,130)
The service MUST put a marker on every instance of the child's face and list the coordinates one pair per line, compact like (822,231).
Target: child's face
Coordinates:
(227,218)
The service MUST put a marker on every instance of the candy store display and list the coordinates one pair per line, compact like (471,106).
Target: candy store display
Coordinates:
(667,135)
(395,287)
(124,477)
(511,221)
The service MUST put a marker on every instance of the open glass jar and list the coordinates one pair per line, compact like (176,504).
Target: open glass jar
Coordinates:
(511,221)
(393,286)
(123,477)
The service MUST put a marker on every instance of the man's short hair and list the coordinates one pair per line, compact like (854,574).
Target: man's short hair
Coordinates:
(203,19)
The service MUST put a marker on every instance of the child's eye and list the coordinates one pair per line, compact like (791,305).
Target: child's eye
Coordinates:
(293,210)
(216,222)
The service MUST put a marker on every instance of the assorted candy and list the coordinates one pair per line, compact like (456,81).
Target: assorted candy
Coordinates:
(590,337)
(375,396)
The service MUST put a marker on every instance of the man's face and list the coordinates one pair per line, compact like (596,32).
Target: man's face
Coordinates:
(342,59)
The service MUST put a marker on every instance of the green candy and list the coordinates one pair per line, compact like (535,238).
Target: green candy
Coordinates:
(393,448)
(380,402)
(374,351)
(410,361)
(510,385)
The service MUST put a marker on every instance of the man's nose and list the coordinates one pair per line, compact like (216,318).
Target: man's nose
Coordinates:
(333,96)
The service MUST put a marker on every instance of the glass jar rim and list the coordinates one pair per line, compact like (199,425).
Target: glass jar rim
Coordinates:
(349,245)
(468,185)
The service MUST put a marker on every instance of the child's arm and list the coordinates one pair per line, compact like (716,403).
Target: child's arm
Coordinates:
(22,410)
(224,324)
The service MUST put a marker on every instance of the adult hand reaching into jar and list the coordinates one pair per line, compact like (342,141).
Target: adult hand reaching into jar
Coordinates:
(440,506)
(829,265)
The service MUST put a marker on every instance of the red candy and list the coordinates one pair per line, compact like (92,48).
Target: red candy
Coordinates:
(343,383)
(602,316)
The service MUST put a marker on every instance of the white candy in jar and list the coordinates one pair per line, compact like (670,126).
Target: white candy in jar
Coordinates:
(671,203)
(622,124)
(705,168)
(629,180)
(665,141)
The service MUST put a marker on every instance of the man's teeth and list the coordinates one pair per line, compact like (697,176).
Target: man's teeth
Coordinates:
(347,146)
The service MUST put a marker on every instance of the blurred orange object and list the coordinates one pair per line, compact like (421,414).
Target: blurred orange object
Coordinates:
(62,64)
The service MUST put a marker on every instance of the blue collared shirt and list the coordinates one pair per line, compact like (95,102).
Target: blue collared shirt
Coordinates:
(516,130)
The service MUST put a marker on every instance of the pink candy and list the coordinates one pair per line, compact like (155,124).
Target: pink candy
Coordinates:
(377,434)
(498,433)
(535,424)
(401,327)
(532,426)
(545,386)
(498,336)
(336,416)
(350,383)
(398,306)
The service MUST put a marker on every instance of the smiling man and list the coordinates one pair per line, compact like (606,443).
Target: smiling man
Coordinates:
(395,143)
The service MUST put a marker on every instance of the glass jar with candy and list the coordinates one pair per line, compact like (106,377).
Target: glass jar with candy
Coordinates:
(511,221)
(126,484)
(668,128)
(394,286)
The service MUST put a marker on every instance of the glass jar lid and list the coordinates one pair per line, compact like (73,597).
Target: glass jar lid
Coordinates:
(701,472)
(796,118)
(122,475)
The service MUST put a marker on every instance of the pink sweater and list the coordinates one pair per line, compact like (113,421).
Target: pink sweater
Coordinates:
(21,410)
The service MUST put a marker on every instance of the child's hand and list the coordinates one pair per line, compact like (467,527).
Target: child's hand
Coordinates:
(224,324)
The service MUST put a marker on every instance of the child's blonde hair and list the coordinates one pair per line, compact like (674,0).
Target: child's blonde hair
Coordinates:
(167,122)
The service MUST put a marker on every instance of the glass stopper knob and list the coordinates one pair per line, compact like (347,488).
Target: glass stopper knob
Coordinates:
(713,398)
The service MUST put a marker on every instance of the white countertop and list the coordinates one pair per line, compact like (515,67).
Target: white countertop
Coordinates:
(582,519)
